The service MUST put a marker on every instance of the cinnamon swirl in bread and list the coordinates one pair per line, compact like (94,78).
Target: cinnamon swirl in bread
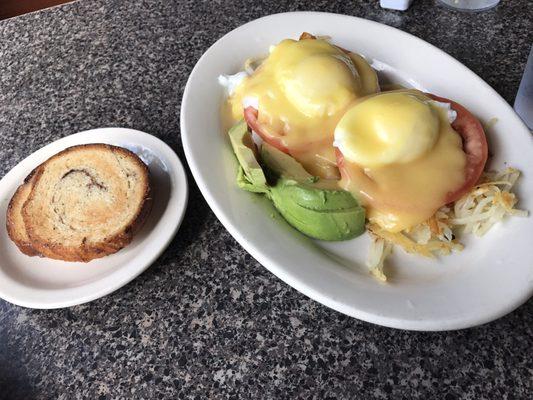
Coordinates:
(85,202)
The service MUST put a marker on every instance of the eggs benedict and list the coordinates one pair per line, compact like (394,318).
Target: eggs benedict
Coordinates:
(399,155)
(296,97)
(340,156)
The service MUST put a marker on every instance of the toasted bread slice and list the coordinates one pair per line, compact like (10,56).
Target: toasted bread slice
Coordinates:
(87,202)
(14,222)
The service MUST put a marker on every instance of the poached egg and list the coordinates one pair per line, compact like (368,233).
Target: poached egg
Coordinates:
(399,155)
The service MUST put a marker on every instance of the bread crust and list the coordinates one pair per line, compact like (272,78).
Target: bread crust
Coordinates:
(88,251)
(14,223)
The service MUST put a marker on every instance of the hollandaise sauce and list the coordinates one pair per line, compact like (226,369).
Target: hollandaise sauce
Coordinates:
(401,157)
(301,91)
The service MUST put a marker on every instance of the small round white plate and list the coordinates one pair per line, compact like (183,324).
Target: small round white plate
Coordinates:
(44,283)
(491,277)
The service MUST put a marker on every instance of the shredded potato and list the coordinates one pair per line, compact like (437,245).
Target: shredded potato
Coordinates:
(489,202)
(379,250)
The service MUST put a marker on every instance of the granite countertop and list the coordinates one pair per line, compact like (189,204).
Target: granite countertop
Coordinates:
(206,320)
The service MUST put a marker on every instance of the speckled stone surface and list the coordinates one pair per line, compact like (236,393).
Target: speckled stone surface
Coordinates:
(206,320)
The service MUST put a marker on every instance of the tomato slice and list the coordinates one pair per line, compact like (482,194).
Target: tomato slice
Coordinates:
(250,116)
(340,164)
(474,145)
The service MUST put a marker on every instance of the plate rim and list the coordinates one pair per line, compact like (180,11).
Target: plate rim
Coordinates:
(278,270)
(179,195)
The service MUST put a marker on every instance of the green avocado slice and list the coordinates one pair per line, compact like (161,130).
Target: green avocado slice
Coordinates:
(331,215)
(283,165)
(317,210)
(250,175)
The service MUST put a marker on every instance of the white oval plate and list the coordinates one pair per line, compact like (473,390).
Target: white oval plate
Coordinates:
(44,283)
(491,277)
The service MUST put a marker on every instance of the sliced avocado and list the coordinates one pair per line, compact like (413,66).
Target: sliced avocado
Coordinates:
(283,165)
(317,209)
(250,175)
(318,213)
